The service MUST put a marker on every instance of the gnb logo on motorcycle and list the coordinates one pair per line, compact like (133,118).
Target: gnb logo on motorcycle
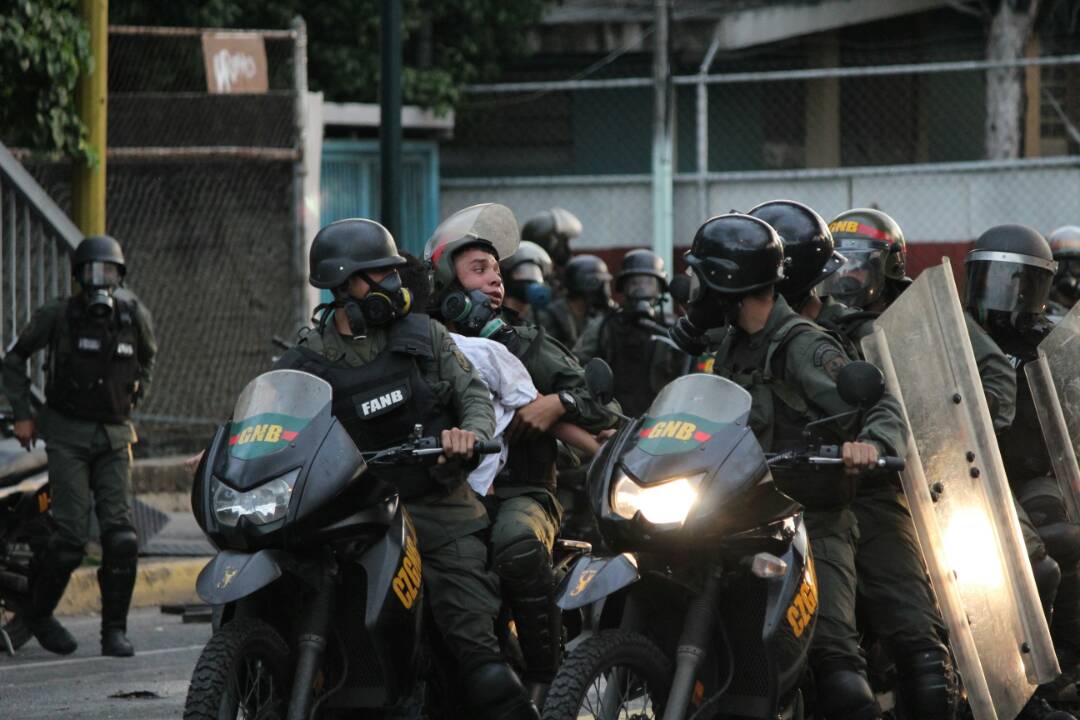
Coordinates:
(802,609)
(406,583)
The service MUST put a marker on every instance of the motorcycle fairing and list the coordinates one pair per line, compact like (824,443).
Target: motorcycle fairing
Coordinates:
(968,529)
(1054,380)
(232,575)
(594,577)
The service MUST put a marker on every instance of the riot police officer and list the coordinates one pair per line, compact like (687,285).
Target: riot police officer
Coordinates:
(587,287)
(553,230)
(876,253)
(464,254)
(369,341)
(894,594)
(633,338)
(1065,244)
(101,356)
(1009,275)
(525,276)
(789,366)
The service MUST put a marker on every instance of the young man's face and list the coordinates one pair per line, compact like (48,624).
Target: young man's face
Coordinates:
(478,269)
(359,287)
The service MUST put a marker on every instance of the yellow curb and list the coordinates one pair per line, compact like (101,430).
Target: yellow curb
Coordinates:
(158,582)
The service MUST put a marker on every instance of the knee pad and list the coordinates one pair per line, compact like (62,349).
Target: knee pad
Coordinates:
(1062,540)
(846,695)
(929,684)
(119,546)
(1047,578)
(62,557)
(1041,499)
(495,691)
(524,562)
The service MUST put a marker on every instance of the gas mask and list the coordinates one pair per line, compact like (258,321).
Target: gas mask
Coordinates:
(526,284)
(641,295)
(707,308)
(471,311)
(99,281)
(385,302)
(1067,281)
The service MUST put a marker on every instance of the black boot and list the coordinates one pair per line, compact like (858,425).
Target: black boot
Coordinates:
(539,629)
(929,684)
(494,692)
(49,579)
(846,695)
(117,584)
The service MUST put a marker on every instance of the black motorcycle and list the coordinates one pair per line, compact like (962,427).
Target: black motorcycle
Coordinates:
(25,525)
(318,580)
(709,609)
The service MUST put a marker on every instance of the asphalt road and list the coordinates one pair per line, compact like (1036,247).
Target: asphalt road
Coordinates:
(151,685)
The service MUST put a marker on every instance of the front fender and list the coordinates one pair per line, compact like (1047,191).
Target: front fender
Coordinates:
(593,578)
(233,575)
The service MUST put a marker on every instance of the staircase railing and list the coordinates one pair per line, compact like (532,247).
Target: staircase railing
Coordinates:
(36,242)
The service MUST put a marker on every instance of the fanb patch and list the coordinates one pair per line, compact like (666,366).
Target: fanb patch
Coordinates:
(381,400)
(675,433)
(830,359)
(263,434)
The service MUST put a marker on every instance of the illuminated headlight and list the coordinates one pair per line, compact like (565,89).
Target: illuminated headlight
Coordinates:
(260,505)
(663,504)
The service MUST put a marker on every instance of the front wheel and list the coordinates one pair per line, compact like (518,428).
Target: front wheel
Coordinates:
(243,672)
(614,674)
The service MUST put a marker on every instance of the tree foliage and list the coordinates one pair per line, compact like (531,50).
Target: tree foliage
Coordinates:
(447,43)
(44,46)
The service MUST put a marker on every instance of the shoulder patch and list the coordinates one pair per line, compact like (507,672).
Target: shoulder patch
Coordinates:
(830,358)
(450,346)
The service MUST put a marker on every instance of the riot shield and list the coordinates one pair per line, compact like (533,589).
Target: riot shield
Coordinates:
(1055,387)
(960,499)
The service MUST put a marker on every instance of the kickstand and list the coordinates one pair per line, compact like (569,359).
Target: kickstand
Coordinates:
(7,642)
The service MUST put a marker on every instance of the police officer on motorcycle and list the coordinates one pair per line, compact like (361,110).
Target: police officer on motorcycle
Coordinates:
(790,365)
(894,595)
(626,337)
(101,356)
(368,343)
(1010,273)
(464,254)
(587,293)
(1065,244)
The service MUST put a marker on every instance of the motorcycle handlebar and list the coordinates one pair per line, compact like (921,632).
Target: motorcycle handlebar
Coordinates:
(487,447)
(885,462)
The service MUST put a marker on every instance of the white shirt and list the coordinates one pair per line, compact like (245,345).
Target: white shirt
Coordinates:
(510,386)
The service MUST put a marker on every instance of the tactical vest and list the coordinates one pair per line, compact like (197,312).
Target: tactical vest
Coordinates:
(843,328)
(779,413)
(94,364)
(381,401)
(530,462)
(629,350)
(1023,447)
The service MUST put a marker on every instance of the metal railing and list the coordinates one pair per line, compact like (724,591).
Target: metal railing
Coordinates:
(36,242)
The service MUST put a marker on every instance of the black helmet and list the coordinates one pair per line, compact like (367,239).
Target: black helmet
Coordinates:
(98,248)
(876,252)
(1010,269)
(525,274)
(553,230)
(488,225)
(641,263)
(735,254)
(1065,244)
(585,274)
(809,251)
(343,248)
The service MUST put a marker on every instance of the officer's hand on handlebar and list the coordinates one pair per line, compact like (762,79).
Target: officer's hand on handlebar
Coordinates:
(26,432)
(859,457)
(457,443)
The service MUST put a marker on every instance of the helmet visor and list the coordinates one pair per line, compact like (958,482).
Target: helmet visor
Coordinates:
(860,280)
(640,287)
(1014,287)
(697,288)
(527,272)
(99,274)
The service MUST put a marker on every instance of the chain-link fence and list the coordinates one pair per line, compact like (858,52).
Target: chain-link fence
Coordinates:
(910,139)
(202,194)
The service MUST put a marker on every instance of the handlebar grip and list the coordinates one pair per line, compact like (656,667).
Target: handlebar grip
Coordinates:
(487,447)
(891,462)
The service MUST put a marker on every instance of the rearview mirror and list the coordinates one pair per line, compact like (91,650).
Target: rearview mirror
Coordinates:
(860,384)
(600,380)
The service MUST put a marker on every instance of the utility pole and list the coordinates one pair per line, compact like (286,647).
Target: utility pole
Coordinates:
(662,149)
(390,118)
(88,191)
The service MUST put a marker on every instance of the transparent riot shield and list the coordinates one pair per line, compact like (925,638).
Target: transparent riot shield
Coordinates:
(1055,387)
(960,499)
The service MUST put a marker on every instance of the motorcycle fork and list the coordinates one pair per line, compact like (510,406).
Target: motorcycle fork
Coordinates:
(698,626)
(311,644)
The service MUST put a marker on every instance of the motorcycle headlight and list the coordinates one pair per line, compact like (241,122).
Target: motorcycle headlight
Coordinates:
(260,505)
(662,504)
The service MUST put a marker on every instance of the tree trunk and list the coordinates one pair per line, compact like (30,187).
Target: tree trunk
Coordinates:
(1009,32)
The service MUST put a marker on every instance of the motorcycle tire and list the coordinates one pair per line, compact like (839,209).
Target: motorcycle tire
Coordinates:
(586,666)
(222,675)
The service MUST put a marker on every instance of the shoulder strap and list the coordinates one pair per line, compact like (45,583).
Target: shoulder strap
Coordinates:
(791,329)
(412,335)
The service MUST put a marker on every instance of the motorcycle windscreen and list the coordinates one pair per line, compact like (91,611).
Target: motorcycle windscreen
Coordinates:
(969,533)
(1059,399)
(688,411)
(273,410)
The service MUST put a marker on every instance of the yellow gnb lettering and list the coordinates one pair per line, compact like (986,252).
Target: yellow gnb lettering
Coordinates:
(658,429)
(273,433)
(406,583)
(686,431)
(803,607)
(245,436)
(260,433)
(844,226)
